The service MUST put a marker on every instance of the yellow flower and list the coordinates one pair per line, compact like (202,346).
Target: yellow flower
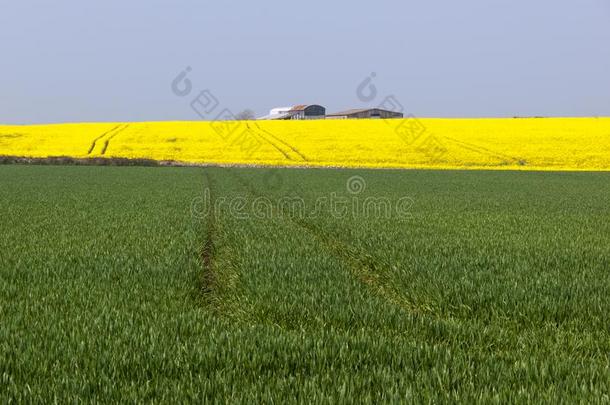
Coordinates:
(522,144)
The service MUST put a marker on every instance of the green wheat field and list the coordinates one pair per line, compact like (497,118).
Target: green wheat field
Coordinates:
(140,284)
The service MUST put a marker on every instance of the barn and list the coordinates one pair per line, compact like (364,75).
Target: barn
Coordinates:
(297,112)
(365,113)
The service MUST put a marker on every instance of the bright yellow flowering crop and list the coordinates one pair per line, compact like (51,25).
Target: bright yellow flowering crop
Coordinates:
(523,143)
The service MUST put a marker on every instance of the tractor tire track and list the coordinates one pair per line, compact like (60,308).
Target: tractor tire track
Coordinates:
(368,270)
(208,280)
(107,140)
(282,151)
(93,143)
(484,151)
(295,150)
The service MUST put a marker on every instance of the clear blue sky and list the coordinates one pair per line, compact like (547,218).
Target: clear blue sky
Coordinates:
(115,60)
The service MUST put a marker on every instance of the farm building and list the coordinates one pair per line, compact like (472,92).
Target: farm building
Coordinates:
(365,113)
(297,112)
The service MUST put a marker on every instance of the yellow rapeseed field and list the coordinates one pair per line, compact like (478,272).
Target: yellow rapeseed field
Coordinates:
(521,143)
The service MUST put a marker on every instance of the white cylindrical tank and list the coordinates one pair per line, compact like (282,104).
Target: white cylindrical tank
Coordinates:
(279,110)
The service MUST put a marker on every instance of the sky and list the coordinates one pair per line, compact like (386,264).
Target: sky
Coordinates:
(75,61)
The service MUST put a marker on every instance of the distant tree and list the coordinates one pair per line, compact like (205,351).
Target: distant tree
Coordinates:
(244,115)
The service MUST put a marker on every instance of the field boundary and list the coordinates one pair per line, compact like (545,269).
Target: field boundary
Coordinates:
(122,161)
(72,161)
